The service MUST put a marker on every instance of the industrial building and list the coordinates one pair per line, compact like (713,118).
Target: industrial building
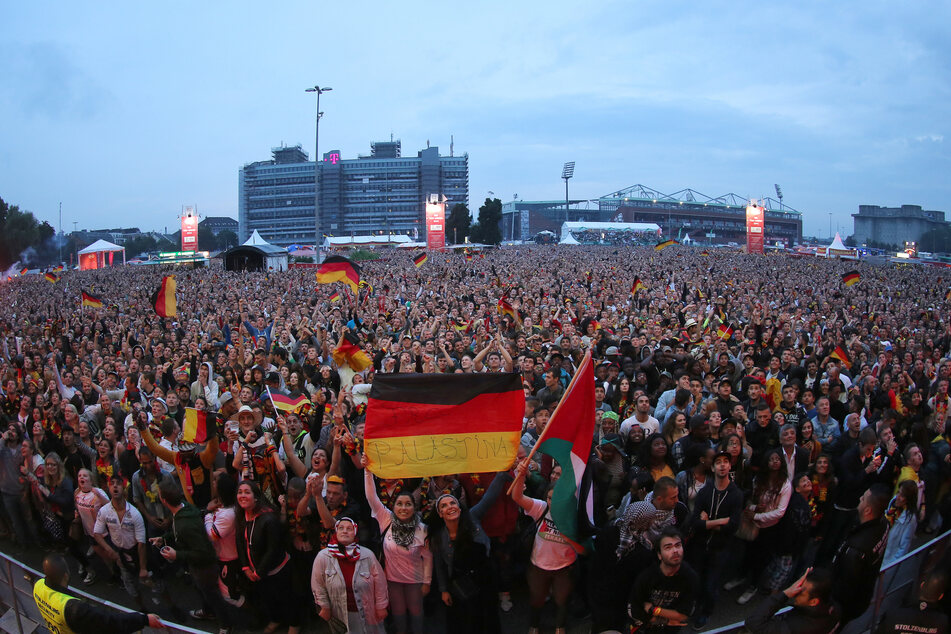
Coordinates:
(894,225)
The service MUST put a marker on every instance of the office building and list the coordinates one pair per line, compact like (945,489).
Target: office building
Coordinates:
(894,225)
(217,224)
(383,192)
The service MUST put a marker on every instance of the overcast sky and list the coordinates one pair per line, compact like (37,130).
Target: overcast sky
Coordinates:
(126,111)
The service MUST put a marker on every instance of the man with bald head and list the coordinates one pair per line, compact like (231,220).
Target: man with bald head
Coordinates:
(65,613)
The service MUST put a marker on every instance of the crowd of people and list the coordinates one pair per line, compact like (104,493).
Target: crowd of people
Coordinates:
(760,426)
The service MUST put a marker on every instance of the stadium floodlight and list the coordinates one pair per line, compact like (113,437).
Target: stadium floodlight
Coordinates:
(567,172)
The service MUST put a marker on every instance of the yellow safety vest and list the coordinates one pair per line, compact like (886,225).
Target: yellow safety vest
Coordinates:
(52,605)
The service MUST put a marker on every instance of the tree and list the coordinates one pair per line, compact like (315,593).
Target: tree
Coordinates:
(227,239)
(138,245)
(459,223)
(490,217)
(207,241)
(19,231)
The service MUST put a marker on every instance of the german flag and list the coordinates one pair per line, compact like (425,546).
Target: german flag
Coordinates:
(468,256)
(704,253)
(51,277)
(840,355)
(349,352)
(660,246)
(287,403)
(335,297)
(24,270)
(195,426)
(947,296)
(851,278)
(420,259)
(91,301)
(481,255)
(506,309)
(337,268)
(163,299)
(638,285)
(58,268)
(461,325)
(421,425)
(724,331)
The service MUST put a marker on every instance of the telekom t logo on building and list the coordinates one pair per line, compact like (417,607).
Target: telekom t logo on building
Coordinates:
(333,158)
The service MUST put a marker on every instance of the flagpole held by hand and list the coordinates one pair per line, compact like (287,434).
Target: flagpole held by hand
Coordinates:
(587,358)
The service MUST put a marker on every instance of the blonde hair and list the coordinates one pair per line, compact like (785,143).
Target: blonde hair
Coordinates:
(60,471)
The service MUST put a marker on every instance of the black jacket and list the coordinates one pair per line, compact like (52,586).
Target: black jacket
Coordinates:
(856,565)
(817,620)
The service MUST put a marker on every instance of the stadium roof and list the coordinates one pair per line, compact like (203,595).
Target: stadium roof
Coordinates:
(691,196)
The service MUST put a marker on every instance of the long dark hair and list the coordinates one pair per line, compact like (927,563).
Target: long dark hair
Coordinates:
(770,481)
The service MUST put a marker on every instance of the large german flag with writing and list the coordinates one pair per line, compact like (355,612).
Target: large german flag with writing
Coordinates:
(91,301)
(421,425)
(163,299)
(337,268)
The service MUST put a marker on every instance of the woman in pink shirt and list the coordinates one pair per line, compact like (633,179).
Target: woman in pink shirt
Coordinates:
(219,524)
(407,560)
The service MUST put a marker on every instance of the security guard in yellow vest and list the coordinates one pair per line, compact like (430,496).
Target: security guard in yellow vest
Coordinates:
(65,614)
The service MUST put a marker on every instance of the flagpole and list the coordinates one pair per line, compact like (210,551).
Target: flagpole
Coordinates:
(587,358)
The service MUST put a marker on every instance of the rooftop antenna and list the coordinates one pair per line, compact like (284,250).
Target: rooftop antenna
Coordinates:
(451,143)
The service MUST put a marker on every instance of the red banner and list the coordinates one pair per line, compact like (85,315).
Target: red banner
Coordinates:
(435,226)
(189,233)
(755,222)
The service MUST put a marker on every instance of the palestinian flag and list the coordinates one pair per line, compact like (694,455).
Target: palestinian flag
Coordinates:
(506,309)
(638,285)
(349,352)
(335,297)
(337,268)
(286,403)
(195,426)
(851,278)
(839,355)
(51,277)
(567,439)
(420,425)
(163,299)
(91,300)
(660,246)
(724,331)
(420,259)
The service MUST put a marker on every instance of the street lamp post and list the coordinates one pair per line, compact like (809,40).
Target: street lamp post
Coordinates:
(319,91)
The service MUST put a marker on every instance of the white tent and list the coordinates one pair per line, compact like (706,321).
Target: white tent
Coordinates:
(568,239)
(837,250)
(99,254)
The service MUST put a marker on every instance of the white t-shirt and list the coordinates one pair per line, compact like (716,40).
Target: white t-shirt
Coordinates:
(650,426)
(551,551)
(125,535)
(87,505)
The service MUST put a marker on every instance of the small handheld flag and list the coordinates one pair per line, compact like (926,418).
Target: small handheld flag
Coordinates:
(51,278)
(195,427)
(286,403)
(163,299)
(851,278)
(724,331)
(638,285)
(349,351)
(335,297)
(337,268)
(420,259)
(660,246)
(840,355)
(506,309)
(91,301)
